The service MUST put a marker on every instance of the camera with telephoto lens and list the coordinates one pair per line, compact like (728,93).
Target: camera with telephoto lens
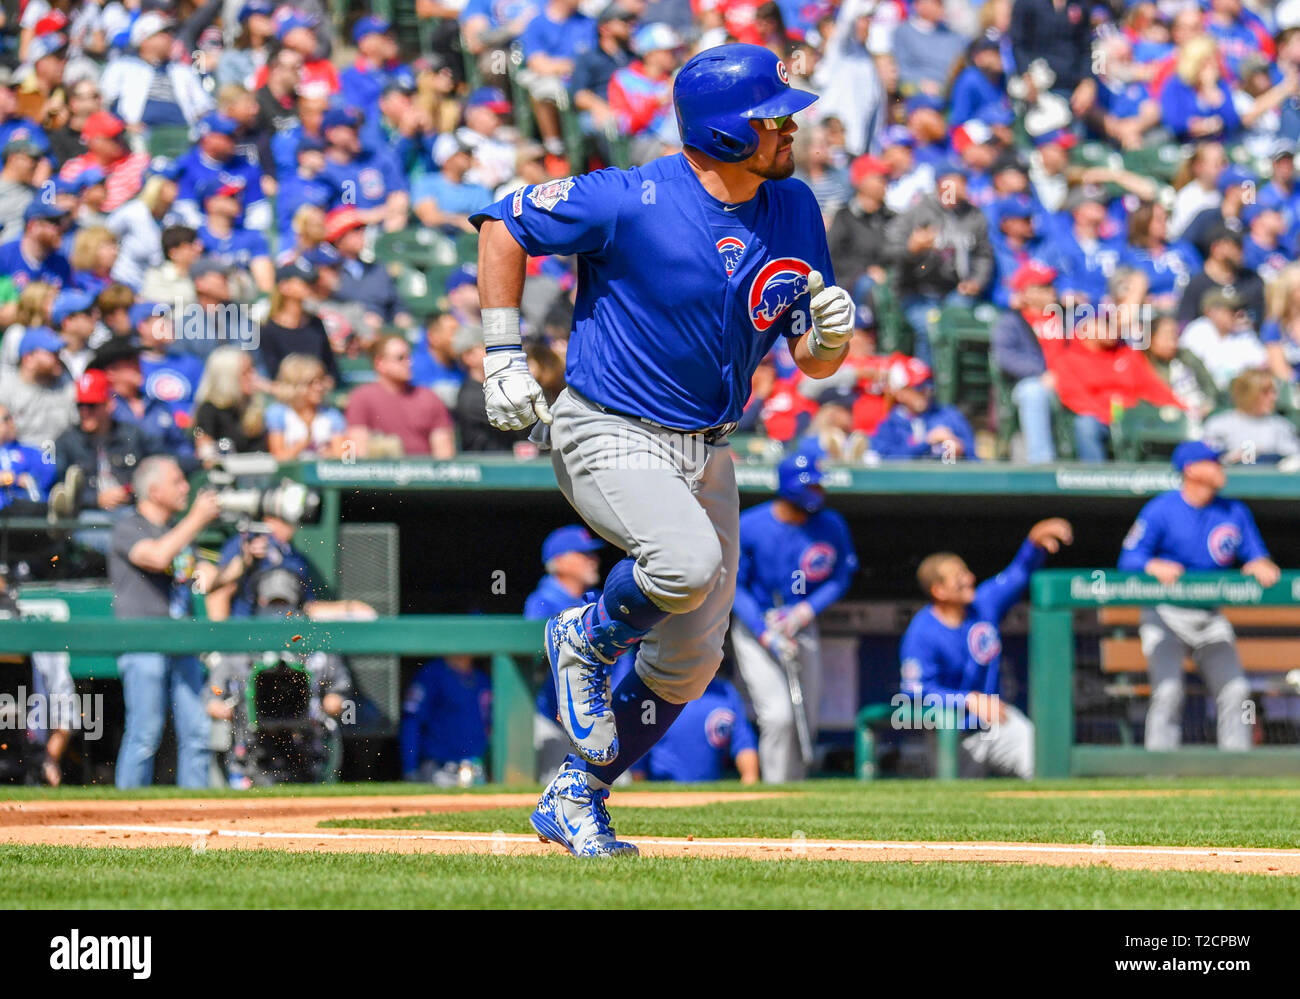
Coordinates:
(289,501)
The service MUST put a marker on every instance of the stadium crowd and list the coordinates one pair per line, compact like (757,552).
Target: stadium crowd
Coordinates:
(239,226)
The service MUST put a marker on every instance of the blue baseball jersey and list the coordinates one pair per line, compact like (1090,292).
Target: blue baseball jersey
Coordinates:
(365,181)
(707,735)
(237,250)
(952,662)
(445,716)
(903,433)
(548,600)
(172,379)
(18,460)
(666,325)
(243,603)
(296,191)
(1209,538)
(195,166)
(54,269)
(784,564)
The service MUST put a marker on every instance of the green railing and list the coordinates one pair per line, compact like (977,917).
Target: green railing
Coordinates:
(504,638)
(1055,595)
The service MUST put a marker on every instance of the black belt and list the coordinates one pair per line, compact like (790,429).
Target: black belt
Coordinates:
(712,435)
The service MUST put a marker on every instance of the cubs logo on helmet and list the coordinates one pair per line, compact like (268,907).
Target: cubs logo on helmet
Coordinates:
(782,73)
(775,288)
(732,249)
(167,385)
(983,642)
(717,727)
(817,561)
(1223,543)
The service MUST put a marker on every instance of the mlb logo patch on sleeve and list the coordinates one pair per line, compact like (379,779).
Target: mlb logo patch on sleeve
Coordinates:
(547,196)
(517,205)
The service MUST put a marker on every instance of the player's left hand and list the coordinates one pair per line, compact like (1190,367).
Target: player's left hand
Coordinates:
(1264,571)
(511,394)
(1051,533)
(832,313)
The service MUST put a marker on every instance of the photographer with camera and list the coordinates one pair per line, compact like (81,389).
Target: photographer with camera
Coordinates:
(151,566)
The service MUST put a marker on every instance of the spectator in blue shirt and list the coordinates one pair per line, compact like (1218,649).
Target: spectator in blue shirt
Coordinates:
(368,180)
(375,66)
(224,239)
(25,476)
(445,200)
(305,186)
(445,719)
(552,43)
(925,49)
(212,156)
(982,82)
(1196,102)
(593,69)
(916,427)
(35,255)
(433,361)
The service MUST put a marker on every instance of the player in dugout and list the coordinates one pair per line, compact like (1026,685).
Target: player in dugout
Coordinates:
(1194,528)
(952,650)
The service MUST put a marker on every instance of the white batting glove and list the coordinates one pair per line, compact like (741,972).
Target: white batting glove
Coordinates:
(511,394)
(779,645)
(832,316)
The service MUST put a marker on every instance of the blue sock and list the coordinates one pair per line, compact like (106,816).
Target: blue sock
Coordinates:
(641,718)
(622,616)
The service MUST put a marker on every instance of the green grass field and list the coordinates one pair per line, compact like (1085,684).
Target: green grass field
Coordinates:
(1228,813)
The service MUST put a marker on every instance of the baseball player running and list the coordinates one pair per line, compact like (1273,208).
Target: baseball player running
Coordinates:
(1194,528)
(689,269)
(796,559)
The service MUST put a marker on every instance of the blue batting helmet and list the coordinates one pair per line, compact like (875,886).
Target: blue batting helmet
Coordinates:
(720,90)
(798,480)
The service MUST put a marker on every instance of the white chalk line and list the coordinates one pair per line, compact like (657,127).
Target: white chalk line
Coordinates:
(796,846)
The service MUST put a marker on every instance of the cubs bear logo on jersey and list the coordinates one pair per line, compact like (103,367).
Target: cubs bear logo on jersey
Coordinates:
(1223,543)
(775,288)
(717,727)
(817,561)
(731,249)
(983,642)
(372,183)
(167,385)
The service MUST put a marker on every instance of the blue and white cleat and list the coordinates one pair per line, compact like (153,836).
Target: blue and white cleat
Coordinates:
(571,812)
(582,688)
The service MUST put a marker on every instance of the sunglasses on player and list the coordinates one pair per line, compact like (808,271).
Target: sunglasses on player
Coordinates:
(775,124)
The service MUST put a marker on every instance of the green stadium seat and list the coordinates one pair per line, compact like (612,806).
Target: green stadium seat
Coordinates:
(420,290)
(1094,154)
(168,140)
(467,247)
(1008,418)
(892,332)
(417,247)
(519,96)
(1160,162)
(1148,433)
(959,349)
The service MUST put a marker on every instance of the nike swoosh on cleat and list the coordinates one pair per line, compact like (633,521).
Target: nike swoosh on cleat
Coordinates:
(578,730)
(573,830)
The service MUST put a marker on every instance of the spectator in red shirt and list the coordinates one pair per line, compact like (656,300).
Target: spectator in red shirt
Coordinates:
(1096,377)
(123,170)
(392,405)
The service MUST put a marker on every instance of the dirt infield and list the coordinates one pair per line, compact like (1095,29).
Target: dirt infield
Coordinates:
(291,824)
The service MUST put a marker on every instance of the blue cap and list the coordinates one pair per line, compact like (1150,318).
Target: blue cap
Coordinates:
(39,338)
(918,102)
(263,7)
(897,135)
(162,166)
(47,44)
(141,311)
(1013,206)
(89,177)
(337,116)
(41,209)
(573,538)
(214,122)
(468,274)
(310,142)
(799,479)
(294,20)
(323,255)
(1234,175)
(945,166)
(69,302)
(219,183)
(1190,452)
(370,26)
(492,97)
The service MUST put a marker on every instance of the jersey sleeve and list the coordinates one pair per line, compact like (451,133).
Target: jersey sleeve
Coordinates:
(742,733)
(845,566)
(1142,541)
(1252,543)
(997,595)
(563,217)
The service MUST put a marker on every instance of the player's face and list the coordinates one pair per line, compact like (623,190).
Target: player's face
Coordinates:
(958,586)
(1206,473)
(774,158)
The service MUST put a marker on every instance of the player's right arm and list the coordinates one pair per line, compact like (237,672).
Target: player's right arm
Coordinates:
(1142,543)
